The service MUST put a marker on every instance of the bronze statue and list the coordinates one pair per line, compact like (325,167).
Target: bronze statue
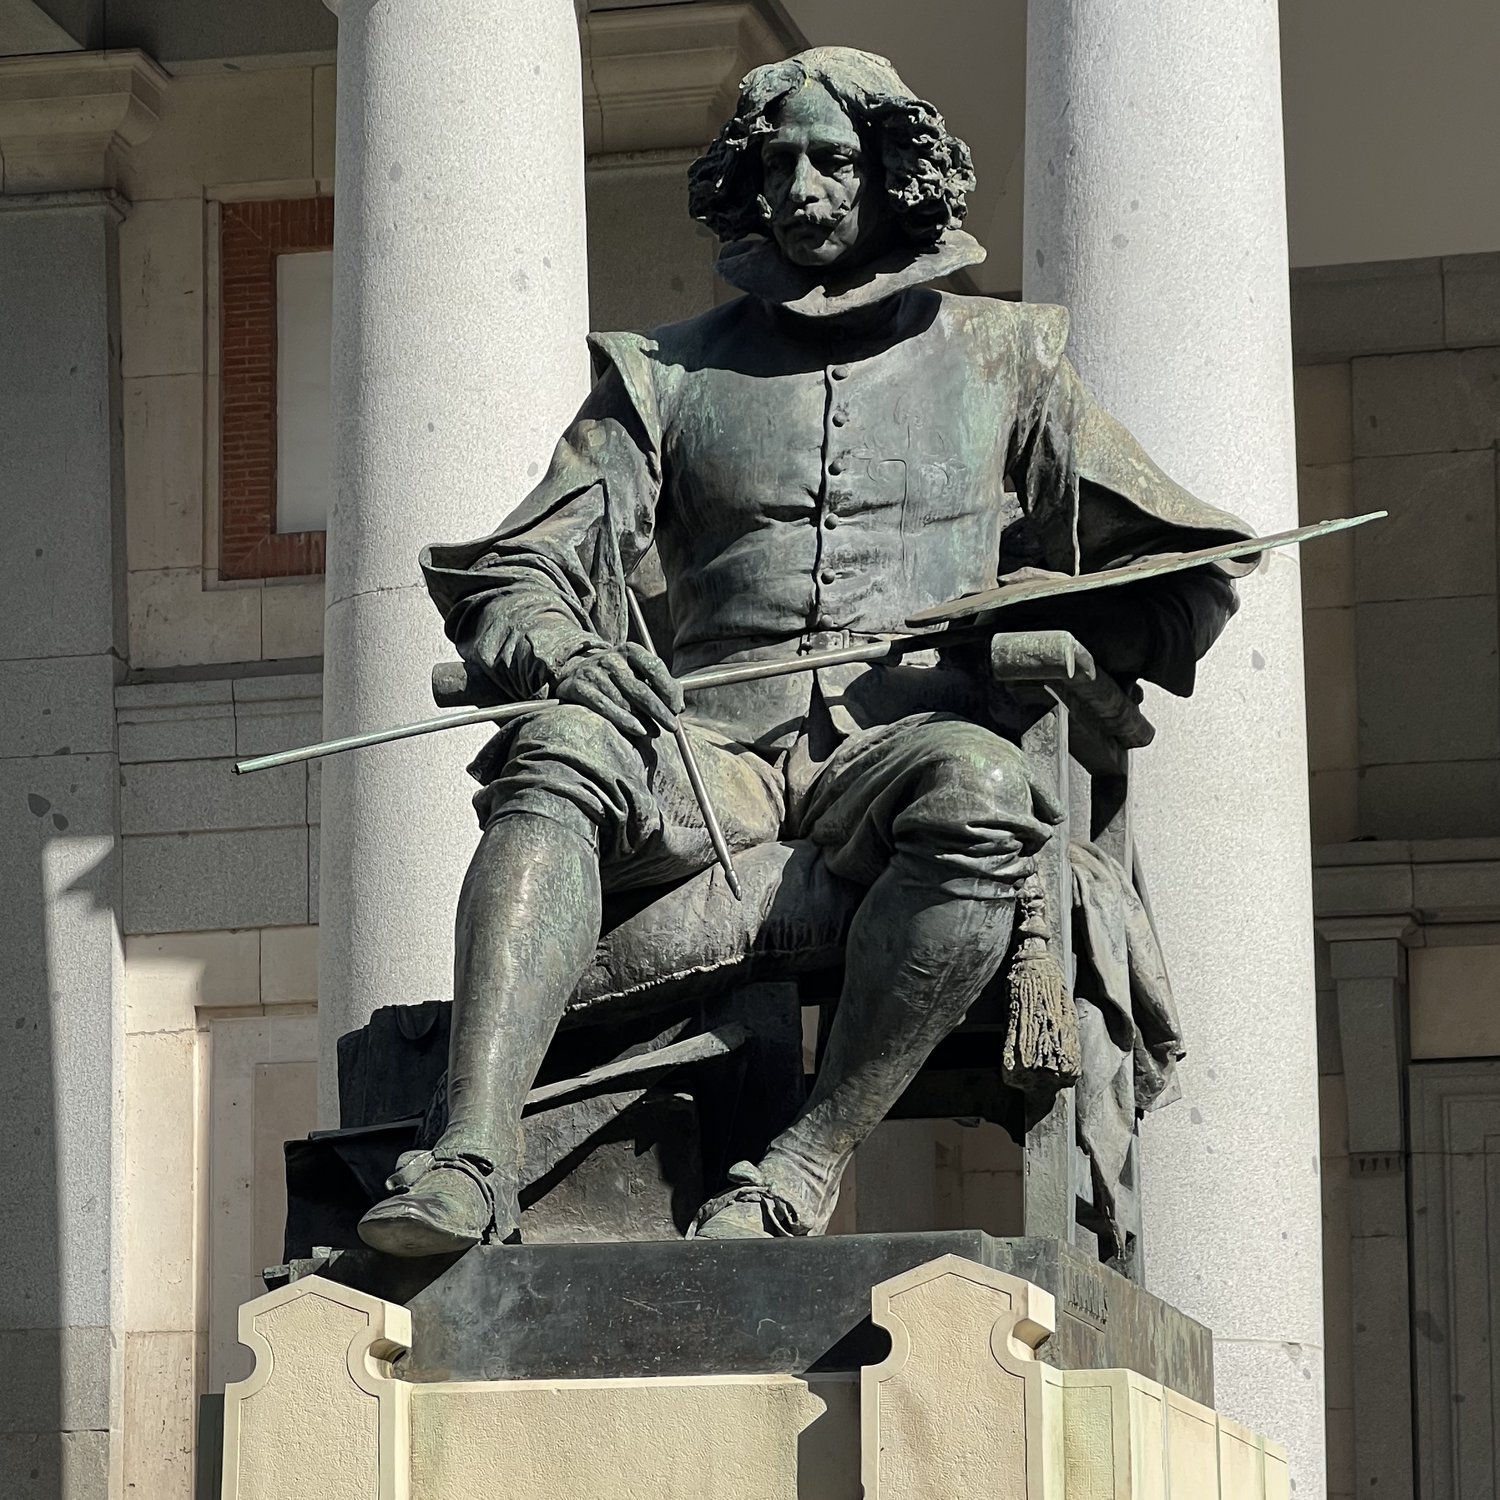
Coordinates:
(835,451)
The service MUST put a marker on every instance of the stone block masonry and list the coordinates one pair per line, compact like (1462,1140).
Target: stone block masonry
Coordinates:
(62,121)
(203,849)
(235,141)
(960,1407)
(1403,693)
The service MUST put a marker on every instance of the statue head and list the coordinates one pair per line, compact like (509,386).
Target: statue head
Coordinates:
(833,157)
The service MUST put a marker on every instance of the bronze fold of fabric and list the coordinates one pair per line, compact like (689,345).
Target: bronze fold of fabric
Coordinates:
(1131,1036)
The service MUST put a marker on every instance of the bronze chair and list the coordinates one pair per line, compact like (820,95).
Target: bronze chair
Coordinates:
(665,1033)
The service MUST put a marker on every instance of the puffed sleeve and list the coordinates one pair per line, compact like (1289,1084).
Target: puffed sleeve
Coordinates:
(548,584)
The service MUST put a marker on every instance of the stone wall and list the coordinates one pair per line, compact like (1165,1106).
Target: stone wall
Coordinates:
(225,134)
(219,1068)
(1390,117)
(218,873)
(1409,1052)
(203,848)
(1398,409)
(60,1004)
(933,1174)
(1338,1311)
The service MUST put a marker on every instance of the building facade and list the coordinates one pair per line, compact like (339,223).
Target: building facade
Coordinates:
(263,266)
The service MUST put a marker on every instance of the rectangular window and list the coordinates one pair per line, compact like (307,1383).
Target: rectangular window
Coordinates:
(275,439)
(304,418)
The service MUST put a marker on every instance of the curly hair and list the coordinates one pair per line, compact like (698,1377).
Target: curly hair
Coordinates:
(928,172)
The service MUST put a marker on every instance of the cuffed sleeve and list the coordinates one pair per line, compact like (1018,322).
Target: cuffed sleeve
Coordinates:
(1157,630)
(548,585)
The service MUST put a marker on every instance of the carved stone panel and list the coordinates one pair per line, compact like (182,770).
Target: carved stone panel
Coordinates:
(1456,1276)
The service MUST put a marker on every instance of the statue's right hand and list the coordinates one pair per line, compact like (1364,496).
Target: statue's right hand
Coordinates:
(630,687)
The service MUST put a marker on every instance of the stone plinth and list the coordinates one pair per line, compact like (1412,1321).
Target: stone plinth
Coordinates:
(960,1406)
(744,1307)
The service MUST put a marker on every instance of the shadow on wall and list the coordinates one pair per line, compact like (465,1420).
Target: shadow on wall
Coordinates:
(60,987)
(59,892)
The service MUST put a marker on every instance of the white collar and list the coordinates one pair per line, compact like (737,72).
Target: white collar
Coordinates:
(757,266)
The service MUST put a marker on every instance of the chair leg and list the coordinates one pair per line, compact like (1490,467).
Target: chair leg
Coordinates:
(740,1123)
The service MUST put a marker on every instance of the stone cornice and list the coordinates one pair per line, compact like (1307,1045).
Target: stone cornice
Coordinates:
(80,198)
(666,76)
(1434,882)
(66,118)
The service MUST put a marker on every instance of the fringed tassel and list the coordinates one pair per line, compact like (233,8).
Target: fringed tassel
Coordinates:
(1043,1052)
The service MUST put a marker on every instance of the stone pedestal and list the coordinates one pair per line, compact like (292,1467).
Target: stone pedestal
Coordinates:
(960,1406)
(743,1307)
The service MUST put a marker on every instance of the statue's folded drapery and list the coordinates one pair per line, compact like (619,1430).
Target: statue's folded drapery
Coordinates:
(1132,1040)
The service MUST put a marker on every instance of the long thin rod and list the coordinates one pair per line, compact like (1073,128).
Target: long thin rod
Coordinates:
(689,761)
(1005,594)
(755,671)
(502,713)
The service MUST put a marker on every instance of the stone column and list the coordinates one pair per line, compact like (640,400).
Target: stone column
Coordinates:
(1155,210)
(64,120)
(460,309)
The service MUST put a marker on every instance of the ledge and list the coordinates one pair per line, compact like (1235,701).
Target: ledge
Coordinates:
(180,718)
(66,118)
(1434,882)
(664,77)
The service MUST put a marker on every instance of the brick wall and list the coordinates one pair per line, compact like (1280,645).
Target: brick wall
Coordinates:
(252,235)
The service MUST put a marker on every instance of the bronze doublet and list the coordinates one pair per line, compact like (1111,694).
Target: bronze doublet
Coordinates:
(811,480)
(839,483)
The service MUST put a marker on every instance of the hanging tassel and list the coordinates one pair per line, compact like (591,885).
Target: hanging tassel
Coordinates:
(1043,1053)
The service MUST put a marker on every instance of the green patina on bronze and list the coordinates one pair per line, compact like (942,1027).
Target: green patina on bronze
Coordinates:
(804,470)
(452,683)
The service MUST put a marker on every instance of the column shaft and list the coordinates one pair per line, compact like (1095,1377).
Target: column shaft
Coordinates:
(1155,211)
(460,307)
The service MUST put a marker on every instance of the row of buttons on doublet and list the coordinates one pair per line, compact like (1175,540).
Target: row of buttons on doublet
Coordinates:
(837,417)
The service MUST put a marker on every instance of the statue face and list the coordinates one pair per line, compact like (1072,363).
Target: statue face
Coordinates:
(824,195)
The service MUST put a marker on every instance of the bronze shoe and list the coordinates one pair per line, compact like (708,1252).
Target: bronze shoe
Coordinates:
(751,1210)
(440,1207)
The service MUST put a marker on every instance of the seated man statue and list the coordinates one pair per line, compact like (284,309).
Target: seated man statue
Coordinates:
(816,461)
